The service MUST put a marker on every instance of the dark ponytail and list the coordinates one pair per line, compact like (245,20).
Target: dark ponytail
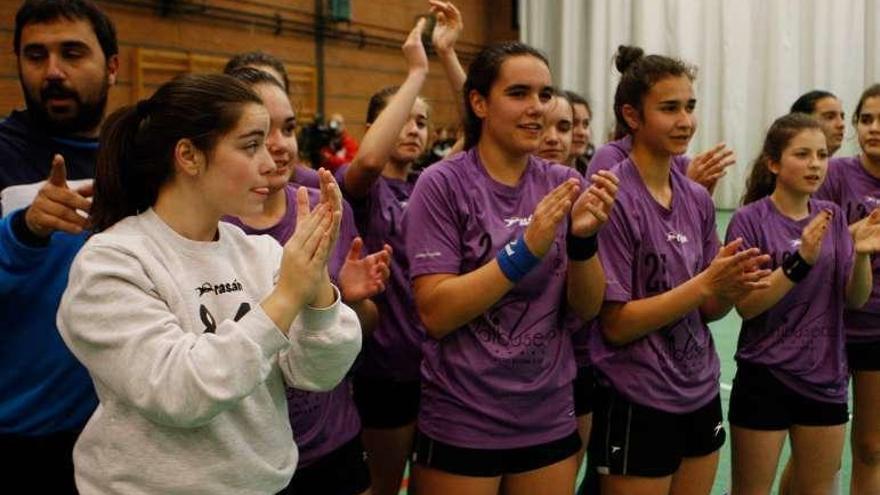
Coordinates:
(482,74)
(137,143)
(762,181)
(638,73)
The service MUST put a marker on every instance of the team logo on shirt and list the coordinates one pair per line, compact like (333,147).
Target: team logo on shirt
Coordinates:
(676,237)
(517,221)
(871,200)
(428,254)
(217,289)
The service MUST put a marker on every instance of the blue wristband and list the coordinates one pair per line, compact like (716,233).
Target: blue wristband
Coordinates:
(515,259)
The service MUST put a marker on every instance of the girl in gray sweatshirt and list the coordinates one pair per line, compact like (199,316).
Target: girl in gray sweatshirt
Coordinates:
(190,329)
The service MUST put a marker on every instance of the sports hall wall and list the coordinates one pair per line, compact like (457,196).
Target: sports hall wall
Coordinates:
(360,57)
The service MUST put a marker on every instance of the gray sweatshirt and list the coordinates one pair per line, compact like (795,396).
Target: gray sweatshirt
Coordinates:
(189,370)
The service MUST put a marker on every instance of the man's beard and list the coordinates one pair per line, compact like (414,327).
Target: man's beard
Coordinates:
(85,117)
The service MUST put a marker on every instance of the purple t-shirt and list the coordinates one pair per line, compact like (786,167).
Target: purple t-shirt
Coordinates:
(394,349)
(321,421)
(613,152)
(646,250)
(801,338)
(580,336)
(504,379)
(306,176)
(857,193)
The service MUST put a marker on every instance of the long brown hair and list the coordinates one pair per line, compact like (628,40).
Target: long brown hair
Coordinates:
(762,181)
(136,153)
(482,74)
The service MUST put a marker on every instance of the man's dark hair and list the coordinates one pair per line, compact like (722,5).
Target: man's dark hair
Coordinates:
(43,11)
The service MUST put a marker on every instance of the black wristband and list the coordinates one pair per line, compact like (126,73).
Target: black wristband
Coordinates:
(24,235)
(796,268)
(581,248)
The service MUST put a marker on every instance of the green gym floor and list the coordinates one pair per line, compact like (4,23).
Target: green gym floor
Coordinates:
(725,332)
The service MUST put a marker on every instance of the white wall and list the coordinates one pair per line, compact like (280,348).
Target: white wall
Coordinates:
(755,57)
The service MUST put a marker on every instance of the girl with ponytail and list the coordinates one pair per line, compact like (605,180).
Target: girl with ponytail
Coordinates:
(657,423)
(791,378)
(705,169)
(189,328)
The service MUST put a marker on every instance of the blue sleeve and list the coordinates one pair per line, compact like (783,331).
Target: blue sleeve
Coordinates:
(16,258)
(21,264)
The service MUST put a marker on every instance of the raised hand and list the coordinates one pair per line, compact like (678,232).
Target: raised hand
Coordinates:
(332,197)
(56,205)
(449,25)
(414,50)
(592,208)
(709,166)
(866,234)
(361,278)
(550,211)
(304,262)
(734,273)
(812,235)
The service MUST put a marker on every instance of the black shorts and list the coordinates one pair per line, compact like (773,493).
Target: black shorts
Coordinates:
(343,471)
(863,356)
(584,391)
(759,401)
(489,463)
(634,440)
(384,403)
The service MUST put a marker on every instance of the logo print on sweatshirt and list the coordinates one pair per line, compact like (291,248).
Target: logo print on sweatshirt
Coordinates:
(211,324)
(676,237)
(217,289)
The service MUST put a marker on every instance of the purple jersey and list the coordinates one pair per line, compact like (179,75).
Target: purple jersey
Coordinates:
(646,250)
(321,421)
(801,338)
(305,176)
(394,349)
(610,154)
(857,193)
(504,379)
(580,336)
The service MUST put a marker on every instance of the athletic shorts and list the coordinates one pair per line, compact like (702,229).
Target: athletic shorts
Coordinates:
(633,440)
(584,390)
(384,403)
(863,356)
(759,401)
(489,463)
(343,471)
